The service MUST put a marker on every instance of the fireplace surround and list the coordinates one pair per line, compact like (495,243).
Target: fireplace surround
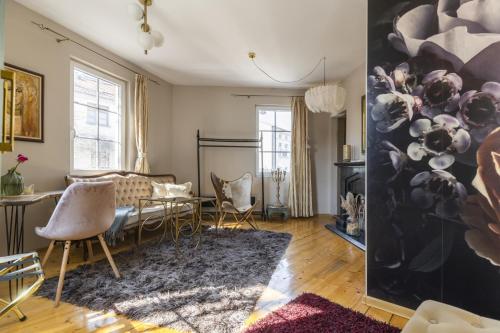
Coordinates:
(351,178)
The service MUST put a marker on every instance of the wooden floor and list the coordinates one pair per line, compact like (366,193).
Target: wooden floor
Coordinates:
(316,261)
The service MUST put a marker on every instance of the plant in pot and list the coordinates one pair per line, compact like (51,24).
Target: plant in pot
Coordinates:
(12,183)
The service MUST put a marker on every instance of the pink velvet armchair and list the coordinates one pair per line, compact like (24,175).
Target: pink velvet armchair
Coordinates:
(85,210)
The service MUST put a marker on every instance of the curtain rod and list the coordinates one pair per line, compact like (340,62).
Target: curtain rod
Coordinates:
(68,39)
(264,95)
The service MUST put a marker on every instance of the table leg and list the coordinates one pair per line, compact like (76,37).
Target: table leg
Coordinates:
(14,232)
(177,229)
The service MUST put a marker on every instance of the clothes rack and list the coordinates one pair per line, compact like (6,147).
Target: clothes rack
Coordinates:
(231,143)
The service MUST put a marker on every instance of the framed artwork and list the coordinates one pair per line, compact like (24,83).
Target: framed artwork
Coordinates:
(28,121)
(363,124)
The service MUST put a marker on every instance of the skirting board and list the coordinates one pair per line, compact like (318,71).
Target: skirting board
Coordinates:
(389,307)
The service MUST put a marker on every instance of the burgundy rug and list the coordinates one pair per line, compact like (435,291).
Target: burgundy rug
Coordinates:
(310,313)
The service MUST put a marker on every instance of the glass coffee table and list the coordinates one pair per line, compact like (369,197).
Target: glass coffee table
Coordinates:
(183,222)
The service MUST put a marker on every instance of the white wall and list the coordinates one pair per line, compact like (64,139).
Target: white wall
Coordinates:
(321,142)
(28,47)
(216,113)
(355,85)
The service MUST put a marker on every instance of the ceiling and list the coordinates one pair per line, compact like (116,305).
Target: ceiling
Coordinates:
(207,41)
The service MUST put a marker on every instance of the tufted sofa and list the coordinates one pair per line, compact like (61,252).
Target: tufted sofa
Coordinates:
(435,317)
(130,187)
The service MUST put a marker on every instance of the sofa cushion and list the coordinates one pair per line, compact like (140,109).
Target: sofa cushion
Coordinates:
(130,187)
(178,190)
(435,317)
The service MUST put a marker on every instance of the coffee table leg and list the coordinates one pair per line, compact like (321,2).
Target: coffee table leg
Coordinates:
(177,229)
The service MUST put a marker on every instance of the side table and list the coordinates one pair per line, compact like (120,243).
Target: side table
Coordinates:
(277,210)
(14,211)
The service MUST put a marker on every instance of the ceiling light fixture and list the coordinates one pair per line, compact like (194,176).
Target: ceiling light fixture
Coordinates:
(325,98)
(147,37)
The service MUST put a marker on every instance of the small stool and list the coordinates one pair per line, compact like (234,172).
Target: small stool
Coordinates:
(432,316)
(275,210)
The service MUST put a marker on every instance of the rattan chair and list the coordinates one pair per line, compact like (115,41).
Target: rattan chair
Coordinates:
(234,198)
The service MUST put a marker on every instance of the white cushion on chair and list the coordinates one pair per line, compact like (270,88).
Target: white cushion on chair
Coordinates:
(241,192)
(435,317)
(229,208)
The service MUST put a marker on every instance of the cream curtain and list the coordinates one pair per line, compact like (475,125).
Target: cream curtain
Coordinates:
(300,196)
(141,115)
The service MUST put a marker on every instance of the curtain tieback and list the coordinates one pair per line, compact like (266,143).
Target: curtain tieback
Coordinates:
(141,155)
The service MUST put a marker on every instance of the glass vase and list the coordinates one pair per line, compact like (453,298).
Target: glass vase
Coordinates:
(12,183)
(353,227)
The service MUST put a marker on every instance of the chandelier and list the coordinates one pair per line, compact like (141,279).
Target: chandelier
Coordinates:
(147,38)
(324,98)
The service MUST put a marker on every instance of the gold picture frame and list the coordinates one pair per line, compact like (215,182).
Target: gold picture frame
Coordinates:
(363,124)
(28,124)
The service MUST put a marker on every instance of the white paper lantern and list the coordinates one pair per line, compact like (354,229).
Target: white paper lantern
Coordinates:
(158,38)
(328,98)
(135,11)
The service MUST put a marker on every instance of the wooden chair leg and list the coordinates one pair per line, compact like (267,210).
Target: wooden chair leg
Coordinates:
(220,222)
(67,246)
(47,254)
(252,223)
(89,249)
(108,255)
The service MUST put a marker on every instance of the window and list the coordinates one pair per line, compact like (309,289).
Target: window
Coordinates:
(97,120)
(275,125)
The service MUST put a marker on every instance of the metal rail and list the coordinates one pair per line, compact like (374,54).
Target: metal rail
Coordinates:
(229,145)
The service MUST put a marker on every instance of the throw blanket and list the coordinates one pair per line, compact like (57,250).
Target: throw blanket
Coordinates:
(115,232)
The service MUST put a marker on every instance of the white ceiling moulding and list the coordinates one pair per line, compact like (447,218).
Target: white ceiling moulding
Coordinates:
(328,98)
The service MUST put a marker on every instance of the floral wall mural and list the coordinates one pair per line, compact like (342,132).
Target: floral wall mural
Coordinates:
(433,192)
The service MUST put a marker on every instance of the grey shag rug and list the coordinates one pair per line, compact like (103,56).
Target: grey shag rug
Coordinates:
(210,289)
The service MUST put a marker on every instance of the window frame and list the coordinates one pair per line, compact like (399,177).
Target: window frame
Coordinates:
(104,75)
(275,109)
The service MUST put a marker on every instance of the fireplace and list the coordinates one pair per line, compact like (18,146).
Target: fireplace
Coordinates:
(351,178)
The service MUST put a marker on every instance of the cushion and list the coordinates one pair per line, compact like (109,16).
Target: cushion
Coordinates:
(435,317)
(179,190)
(241,191)
(168,190)
(159,190)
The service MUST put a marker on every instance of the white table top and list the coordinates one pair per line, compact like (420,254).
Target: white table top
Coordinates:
(28,199)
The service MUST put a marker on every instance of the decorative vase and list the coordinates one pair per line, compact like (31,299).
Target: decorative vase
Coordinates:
(346,153)
(353,227)
(12,183)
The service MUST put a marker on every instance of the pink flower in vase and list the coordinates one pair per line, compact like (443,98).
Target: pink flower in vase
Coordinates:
(21,158)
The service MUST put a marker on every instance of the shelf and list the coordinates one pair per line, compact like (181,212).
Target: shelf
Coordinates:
(350,164)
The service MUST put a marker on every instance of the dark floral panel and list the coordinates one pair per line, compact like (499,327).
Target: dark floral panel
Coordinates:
(433,169)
